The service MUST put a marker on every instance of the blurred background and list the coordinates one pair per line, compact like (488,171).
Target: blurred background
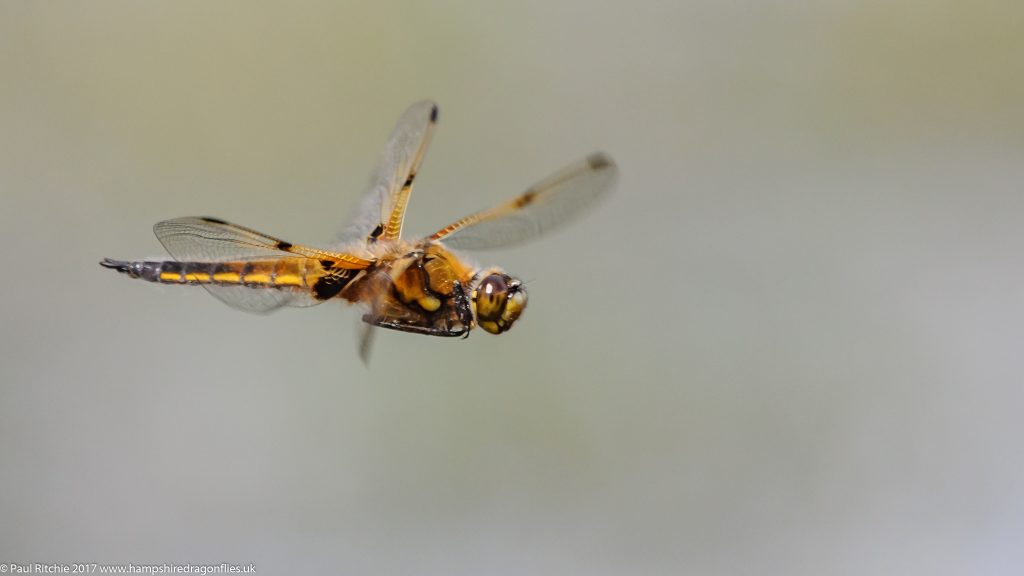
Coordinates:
(790,342)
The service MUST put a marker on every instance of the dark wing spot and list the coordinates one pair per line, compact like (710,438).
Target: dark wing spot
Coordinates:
(526,199)
(377,232)
(284,246)
(212,220)
(433,114)
(326,288)
(598,161)
(329,286)
(408,181)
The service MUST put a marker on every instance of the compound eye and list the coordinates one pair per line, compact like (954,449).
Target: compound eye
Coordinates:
(491,296)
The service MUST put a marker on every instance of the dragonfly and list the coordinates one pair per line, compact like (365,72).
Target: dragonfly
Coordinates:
(420,285)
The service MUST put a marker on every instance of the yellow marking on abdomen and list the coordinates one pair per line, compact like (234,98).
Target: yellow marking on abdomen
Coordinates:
(284,274)
(262,272)
(288,280)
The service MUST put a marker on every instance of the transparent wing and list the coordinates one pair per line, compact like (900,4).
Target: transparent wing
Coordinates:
(549,203)
(366,337)
(382,211)
(204,239)
(261,300)
(211,240)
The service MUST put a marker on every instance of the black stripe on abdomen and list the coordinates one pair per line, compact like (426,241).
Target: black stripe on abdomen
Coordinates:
(172,272)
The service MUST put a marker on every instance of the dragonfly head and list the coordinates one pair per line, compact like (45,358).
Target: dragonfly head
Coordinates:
(498,301)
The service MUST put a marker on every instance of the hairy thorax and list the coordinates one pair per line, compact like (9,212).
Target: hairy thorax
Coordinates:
(415,285)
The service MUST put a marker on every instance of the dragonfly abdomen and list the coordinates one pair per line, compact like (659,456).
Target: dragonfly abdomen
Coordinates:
(256,274)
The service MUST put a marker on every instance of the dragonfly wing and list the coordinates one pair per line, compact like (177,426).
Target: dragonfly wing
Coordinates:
(366,337)
(382,211)
(260,301)
(199,239)
(548,204)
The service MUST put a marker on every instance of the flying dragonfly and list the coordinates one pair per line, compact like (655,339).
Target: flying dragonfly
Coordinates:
(419,286)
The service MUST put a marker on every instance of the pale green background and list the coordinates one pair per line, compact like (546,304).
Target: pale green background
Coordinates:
(790,343)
